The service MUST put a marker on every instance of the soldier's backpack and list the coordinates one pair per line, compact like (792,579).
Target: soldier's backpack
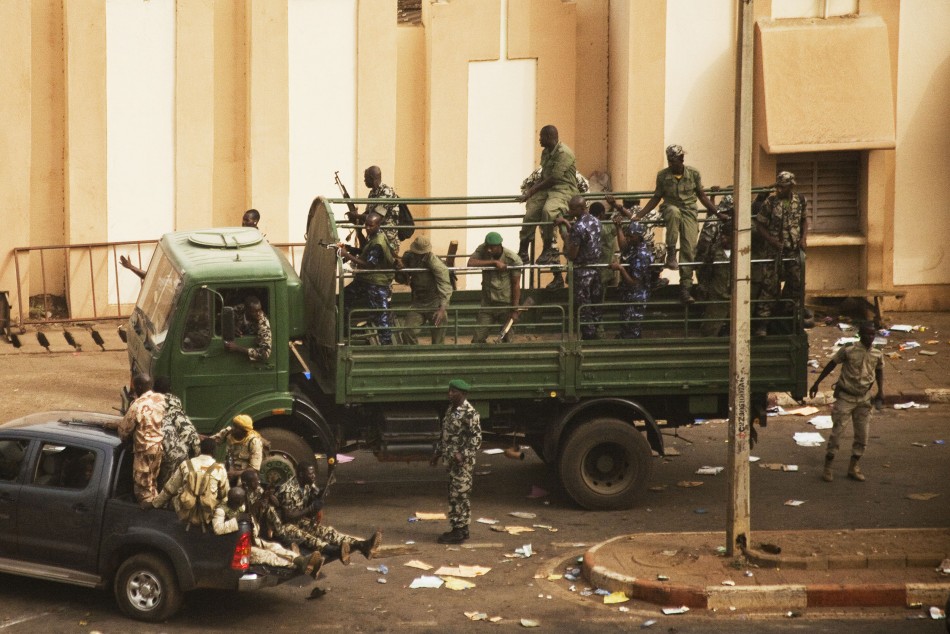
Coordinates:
(196,500)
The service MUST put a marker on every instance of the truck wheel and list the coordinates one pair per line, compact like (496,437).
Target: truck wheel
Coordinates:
(146,589)
(288,444)
(605,464)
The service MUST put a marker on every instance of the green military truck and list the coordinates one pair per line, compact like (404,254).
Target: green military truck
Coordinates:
(593,410)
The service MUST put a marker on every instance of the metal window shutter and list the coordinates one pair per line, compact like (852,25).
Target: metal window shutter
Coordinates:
(830,182)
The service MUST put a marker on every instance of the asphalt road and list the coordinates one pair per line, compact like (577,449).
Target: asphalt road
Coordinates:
(369,494)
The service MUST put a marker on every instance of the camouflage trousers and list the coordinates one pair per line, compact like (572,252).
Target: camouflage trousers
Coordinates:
(314,536)
(859,413)
(271,554)
(145,467)
(460,486)
(359,294)
(631,313)
(588,295)
(774,281)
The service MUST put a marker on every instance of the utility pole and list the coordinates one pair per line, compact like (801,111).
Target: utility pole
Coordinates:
(737,531)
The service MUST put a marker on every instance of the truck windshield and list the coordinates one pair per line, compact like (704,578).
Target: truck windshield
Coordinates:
(157,299)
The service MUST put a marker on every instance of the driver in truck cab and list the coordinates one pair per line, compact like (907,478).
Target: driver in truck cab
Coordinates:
(251,320)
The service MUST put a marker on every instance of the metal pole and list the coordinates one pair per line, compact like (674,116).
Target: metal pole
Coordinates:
(738,520)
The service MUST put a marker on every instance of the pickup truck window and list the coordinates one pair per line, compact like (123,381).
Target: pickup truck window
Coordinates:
(12,454)
(65,466)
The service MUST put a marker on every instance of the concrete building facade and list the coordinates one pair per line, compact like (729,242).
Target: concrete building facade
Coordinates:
(124,119)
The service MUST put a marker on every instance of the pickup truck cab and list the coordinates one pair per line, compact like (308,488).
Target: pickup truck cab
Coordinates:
(67,514)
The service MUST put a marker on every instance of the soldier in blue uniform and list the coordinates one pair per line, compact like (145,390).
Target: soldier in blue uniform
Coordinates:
(584,248)
(371,287)
(634,267)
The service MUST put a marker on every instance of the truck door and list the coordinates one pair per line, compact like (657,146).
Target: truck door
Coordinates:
(13,458)
(208,378)
(60,504)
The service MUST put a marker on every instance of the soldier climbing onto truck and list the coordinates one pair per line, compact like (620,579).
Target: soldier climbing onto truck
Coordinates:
(370,287)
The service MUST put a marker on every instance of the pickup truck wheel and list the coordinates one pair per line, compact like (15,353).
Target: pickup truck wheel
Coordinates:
(146,589)
(605,464)
(289,444)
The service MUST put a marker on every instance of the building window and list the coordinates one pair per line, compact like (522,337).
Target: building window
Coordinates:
(813,8)
(830,181)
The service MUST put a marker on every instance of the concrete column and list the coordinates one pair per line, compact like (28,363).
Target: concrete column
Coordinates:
(268,117)
(376,98)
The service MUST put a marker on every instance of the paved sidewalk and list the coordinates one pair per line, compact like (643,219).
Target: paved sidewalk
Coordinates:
(815,569)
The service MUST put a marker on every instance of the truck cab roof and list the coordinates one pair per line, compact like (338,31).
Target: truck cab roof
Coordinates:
(225,253)
(67,424)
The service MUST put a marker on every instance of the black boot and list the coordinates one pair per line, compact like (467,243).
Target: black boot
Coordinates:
(309,564)
(557,282)
(454,536)
(341,552)
(368,547)
(550,255)
(524,250)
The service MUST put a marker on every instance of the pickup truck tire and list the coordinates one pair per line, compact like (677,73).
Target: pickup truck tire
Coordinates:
(289,444)
(605,464)
(146,589)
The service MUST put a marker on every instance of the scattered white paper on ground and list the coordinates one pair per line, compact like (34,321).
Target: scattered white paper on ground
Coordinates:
(415,563)
(512,530)
(426,581)
(842,326)
(421,515)
(879,341)
(901,328)
(803,411)
(754,458)
(523,515)
(530,623)
(453,583)
(778,410)
(794,502)
(843,341)
(342,458)
(809,439)
(680,610)
(494,451)
(910,405)
(525,551)
(822,422)
(468,572)
(476,616)
(616,597)
(486,520)
(790,467)
(728,582)
(706,470)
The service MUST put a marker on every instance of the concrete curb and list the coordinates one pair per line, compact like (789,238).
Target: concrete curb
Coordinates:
(766,597)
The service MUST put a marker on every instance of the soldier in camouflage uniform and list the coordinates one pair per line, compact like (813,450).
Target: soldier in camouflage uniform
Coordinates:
(459,443)
(634,267)
(251,321)
(584,249)
(142,425)
(180,439)
(301,508)
(373,178)
(715,278)
(371,288)
(245,447)
(782,224)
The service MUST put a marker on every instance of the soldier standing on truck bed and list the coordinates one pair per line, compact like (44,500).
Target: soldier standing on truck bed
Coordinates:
(583,247)
(431,290)
(371,286)
(458,445)
(389,211)
(143,424)
(180,440)
(501,286)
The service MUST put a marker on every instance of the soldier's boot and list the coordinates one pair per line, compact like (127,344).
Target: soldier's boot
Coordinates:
(828,475)
(854,471)
(671,262)
(309,564)
(524,250)
(550,255)
(369,546)
(341,552)
(557,282)
(454,536)
(685,295)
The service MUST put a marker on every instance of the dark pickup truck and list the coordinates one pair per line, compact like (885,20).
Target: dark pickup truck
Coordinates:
(67,514)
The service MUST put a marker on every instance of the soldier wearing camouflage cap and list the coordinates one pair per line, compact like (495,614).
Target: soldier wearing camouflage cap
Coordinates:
(679,186)
(781,221)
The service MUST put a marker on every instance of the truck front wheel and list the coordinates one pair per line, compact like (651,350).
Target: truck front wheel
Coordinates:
(146,589)
(289,444)
(605,464)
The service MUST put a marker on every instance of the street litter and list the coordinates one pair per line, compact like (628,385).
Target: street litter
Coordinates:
(932,342)
(525,551)
(910,405)
(381,569)
(586,592)
(512,530)
(936,613)
(822,422)
(476,616)
(671,451)
(616,597)
(486,520)
(530,623)
(647,624)
(462,571)
(845,341)
(813,363)
(381,580)
(423,516)
(748,573)
(772,466)
(940,442)
(754,458)
(777,410)
(342,458)
(555,577)
(623,608)
(658,488)
(537,492)
(415,563)
(523,515)
(426,581)
(669,553)
(808,439)
(922,496)
(908,345)
(686,484)
(919,444)
(944,567)
(452,583)
(794,502)
(546,527)
(802,411)
(493,451)
(662,578)
(706,470)
(928,353)
(790,467)
(680,610)
(845,327)
(572,588)
(902,328)
(728,582)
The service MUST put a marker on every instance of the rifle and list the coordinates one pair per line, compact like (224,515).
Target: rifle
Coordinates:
(506,330)
(331,477)
(450,262)
(353,213)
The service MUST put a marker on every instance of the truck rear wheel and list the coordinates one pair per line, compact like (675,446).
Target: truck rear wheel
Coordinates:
(288,444)
(605,464)
(146,589)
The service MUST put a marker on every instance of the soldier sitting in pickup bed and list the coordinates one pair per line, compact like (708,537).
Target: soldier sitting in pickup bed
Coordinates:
(371,287)
(245,445)
(212,479)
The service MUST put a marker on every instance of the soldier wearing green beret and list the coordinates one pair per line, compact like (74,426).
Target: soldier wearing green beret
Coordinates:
(459,443)
(501,286)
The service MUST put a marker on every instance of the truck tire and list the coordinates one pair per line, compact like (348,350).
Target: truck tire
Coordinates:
(146,589)
(289,444)
(605,464)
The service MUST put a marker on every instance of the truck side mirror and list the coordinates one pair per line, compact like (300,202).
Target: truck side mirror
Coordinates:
(227,323)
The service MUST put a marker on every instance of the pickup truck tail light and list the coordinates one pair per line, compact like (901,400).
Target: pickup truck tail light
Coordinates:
(242,552)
